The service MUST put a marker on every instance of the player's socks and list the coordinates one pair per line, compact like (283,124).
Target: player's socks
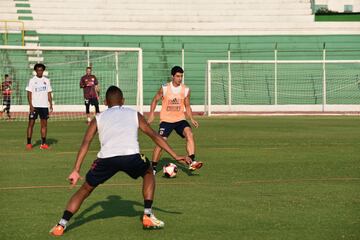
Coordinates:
(28,140)
(43,140)
(147,207)
(65,218)
(154,165)
(192,156)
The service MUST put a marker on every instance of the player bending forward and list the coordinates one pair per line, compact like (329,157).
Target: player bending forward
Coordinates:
(118,134)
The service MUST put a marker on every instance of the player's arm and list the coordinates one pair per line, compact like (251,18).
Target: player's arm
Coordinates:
(189,112)
(153,104)
(84,148)
(82,83)
(50,101)
(145,128)
(29,97)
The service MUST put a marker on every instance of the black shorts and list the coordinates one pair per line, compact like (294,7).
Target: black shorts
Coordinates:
(166,128)
(42,112)
(102,169)
(91,101)
(6,101)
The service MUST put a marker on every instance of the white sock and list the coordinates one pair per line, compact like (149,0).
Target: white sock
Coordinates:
(147,211)
(88,119)
(63,222)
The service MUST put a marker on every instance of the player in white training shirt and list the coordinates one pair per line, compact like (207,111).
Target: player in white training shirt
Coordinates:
(40,100)
(118,134)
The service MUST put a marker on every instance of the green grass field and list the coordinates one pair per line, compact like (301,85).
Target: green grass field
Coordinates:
(263,178)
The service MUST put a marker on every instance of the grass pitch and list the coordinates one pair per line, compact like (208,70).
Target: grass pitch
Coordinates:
(263,178)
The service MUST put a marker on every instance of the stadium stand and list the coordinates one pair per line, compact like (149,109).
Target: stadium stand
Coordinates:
(202,29)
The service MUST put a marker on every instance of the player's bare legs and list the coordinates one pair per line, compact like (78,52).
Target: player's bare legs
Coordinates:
(190,143)
(156,156)
(190,148)
(77,199)
(72,207)
(43,131)
(29,132)
(148,185)
(30,128)
(149,220)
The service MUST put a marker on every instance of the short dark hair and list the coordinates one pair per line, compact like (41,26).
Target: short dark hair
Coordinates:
(88,68)
(39,65)
(113,92)
(6,75)
(176,69)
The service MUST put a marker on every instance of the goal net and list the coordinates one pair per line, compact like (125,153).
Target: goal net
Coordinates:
(282,86)
(65,66)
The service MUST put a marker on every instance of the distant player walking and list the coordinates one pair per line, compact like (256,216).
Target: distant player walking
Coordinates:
(118,135)
(175,98)
(40,100)
(6,87)
(90,85)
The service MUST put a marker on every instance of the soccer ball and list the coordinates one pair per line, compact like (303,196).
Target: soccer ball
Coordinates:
(170,170)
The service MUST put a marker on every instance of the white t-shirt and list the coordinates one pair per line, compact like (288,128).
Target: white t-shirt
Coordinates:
(118,132)
(40,87)
(175,90)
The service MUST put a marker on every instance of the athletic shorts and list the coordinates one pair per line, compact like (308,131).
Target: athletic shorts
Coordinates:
(6,101)
(91,101)
(166,128)
(102,169)
(42,112)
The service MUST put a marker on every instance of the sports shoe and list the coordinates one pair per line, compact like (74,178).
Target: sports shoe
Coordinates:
(44,146)
(151,222)
(195,165)
(29,146)
(57,230)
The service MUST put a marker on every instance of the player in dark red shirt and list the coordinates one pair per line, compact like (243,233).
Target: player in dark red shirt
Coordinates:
(90,85)
(6,93)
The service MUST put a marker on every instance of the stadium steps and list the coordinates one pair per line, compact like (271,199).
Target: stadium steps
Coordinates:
(159,17)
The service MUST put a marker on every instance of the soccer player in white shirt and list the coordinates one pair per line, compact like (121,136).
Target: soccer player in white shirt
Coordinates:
(118,134)
(40,101)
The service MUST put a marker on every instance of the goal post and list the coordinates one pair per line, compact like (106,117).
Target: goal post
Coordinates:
(65,66)
(235,86)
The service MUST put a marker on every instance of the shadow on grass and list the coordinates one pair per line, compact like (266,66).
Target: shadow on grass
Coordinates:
(49,141)
(113,206)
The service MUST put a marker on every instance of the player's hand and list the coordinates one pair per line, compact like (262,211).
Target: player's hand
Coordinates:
(195,123)
(51,108)
(183,159)
(150,118)
(32,109)
(74,177)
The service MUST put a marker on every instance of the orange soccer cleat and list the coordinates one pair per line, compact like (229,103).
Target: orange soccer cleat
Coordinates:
(151,222)
(195,165)
(29,146)
(44,146)
(57,230)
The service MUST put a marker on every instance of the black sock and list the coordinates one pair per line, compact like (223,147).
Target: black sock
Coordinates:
(154,164)
(67,215)
(43,140)
(192,156)
(65,218)
(147,207)
(28,140)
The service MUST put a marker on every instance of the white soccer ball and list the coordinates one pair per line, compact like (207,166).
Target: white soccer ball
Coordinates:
(170,170)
